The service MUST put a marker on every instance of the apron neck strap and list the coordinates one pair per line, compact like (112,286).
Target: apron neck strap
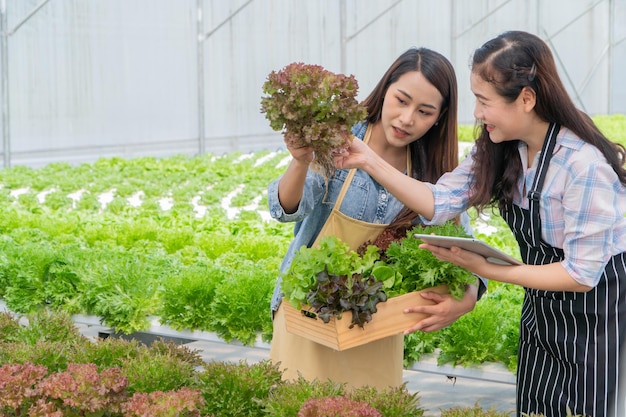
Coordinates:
(346,184)
(540,176)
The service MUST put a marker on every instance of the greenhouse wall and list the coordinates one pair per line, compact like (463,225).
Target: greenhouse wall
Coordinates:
(84,79)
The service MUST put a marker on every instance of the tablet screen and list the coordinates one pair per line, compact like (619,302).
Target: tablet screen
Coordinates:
(474,245)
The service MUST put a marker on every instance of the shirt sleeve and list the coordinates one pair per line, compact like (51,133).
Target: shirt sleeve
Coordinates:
(451,193)
(314,185)
(591,211)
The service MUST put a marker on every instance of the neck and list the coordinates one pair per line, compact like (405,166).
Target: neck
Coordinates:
(535,140)
(393,155)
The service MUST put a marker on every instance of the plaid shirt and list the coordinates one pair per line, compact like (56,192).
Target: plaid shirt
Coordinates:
(582,207)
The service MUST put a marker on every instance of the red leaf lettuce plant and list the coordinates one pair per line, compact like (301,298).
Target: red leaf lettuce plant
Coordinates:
(28,389)
(337,407)
(313,107)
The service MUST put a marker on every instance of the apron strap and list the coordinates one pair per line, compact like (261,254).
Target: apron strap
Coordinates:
(540,176)
(346,183)
(344,189)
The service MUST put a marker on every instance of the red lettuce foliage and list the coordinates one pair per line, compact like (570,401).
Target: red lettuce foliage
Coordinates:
(356,293)
(82,387)
(17,383)
(27,389)
(313,107)
(337,407)
(183,402)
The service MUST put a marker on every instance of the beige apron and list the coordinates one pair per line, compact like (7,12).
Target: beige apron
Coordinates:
(378,364)
(351,231)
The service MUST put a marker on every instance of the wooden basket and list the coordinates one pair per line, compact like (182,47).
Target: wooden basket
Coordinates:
(389,320)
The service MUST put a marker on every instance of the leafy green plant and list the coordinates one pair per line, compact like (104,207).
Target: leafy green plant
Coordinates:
(240,307)
(475,338)
(151,370)
(237,389)
(419,268)
(53,355)
(418,344)
(331,255)
(332,279)
(391,402)
(160,366)
(286,399)
(314,107)
(109,352)
(186,295)
(168,348)
(475,411)
(27,271)
(124,288)
(47,338)
(48,325)
(9,327)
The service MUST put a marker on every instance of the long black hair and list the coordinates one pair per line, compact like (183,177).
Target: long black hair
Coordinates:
(511,62)
(436,152)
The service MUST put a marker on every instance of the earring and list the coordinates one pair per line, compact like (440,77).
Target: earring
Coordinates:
(436,123)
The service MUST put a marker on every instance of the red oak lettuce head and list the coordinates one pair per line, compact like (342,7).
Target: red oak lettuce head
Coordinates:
(313,107)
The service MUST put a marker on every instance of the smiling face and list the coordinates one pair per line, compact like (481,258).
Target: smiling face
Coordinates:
(412,105)
(503,120)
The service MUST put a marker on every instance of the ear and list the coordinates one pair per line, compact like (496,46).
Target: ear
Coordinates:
(528,98)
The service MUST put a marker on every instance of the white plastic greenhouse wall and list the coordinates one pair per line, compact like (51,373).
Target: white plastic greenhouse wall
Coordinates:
(84,79)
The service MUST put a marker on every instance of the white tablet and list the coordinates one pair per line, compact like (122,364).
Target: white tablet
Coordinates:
(474,245)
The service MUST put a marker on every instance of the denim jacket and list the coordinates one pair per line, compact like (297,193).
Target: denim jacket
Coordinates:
(365,200)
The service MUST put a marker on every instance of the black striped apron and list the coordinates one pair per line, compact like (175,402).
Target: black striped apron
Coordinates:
(569,347)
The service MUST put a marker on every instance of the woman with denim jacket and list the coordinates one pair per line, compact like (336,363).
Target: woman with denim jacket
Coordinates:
(412,124)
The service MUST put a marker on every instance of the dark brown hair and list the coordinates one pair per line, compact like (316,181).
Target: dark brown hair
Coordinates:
(437,151)
(511,62)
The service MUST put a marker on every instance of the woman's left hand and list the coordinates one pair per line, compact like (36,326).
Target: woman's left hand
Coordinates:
(471,261)
(355,156)
(444,312)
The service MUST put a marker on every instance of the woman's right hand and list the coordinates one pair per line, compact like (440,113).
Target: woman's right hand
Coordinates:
(302,154)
